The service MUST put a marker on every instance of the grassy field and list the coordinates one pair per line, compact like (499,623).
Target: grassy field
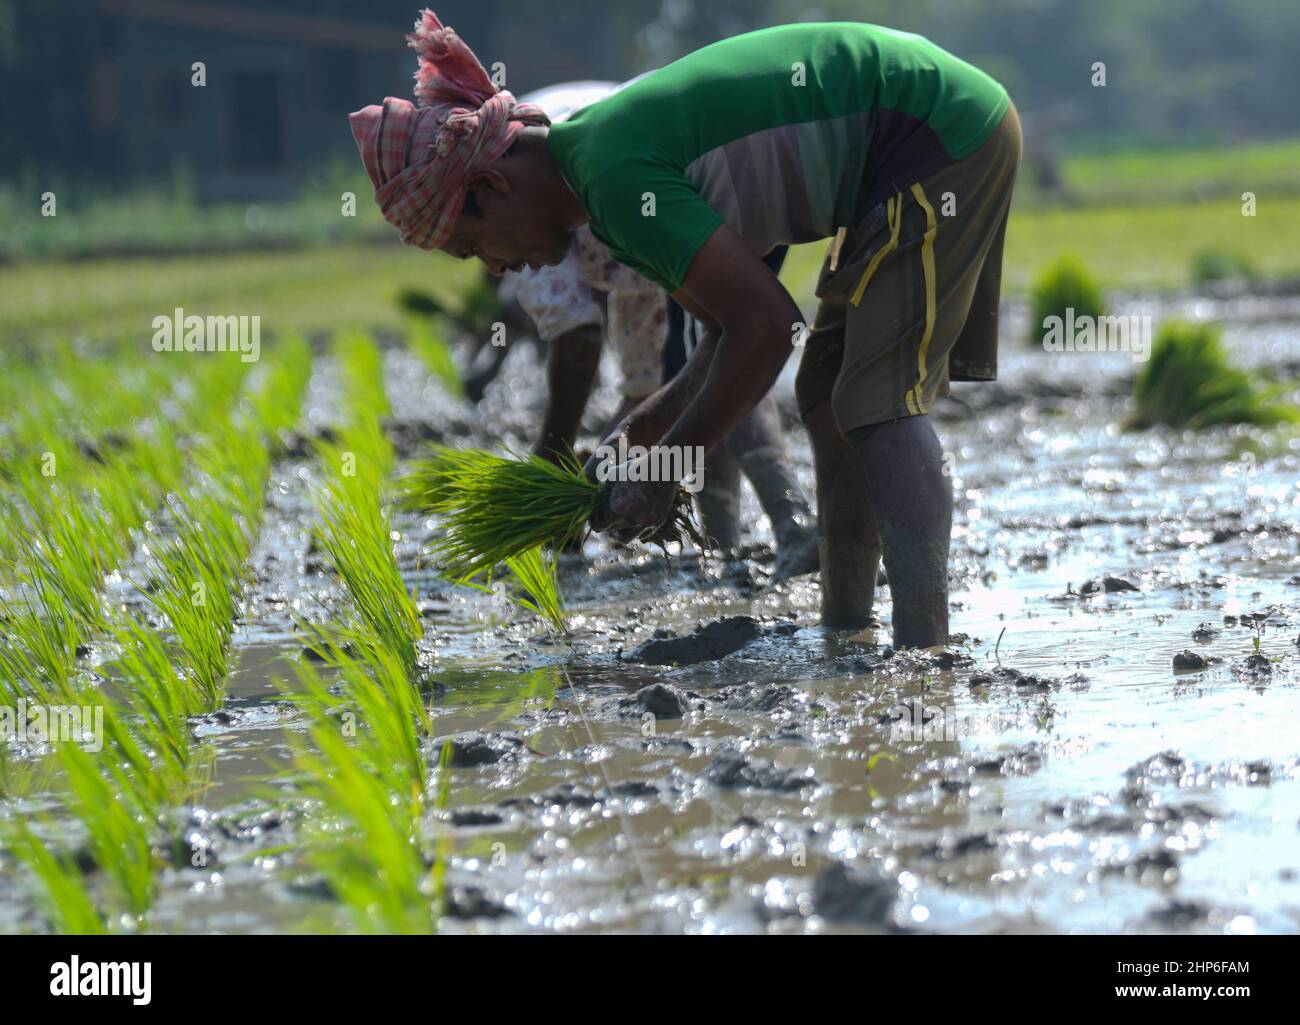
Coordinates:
(311,289)
(1166,176)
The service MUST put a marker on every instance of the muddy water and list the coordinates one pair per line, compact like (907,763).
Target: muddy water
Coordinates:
(1050,772)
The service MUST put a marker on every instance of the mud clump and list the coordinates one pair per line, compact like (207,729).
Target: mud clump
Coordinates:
(839,895)
(1258,664)
(1025,681)
(1189,662)
(1107,585)
(657,699)
(1180,914)
(470,902)
(470,750)
(463,817)
(956,847)
(566,795)
(752,698)
(712,641)
(732,770)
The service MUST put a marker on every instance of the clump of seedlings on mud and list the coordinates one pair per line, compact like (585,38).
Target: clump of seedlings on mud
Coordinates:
(1189,382)
(1063,285)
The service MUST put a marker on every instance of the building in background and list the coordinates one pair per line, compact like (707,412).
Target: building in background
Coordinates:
(101,90)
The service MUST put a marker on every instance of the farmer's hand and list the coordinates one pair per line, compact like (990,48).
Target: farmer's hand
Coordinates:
(635,508)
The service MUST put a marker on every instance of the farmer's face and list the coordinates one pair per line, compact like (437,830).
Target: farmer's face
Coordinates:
(512,231)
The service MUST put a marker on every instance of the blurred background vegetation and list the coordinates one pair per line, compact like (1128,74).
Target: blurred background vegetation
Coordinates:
(229,195)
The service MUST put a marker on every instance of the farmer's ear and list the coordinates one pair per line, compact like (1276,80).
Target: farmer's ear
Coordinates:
(488,180)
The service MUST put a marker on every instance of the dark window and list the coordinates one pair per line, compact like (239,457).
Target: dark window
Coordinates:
(171,96)
(256,127)
(337,79)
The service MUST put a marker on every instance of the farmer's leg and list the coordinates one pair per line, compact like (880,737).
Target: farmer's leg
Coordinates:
(911,494)
(848,541)
(849,545)
(760,447)
(719,499)
(915,293)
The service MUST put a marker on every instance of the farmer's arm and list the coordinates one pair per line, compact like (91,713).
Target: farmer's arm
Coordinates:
(652,418)
(730,286)
(571,367)
(748,318)
(726,376)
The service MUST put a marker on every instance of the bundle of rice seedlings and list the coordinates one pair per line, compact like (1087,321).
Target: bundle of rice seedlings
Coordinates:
(1219,263)
(1065,284)
(496,509)
(1189,382)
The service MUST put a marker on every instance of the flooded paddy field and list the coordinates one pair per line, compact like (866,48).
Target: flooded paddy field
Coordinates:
(1109,744)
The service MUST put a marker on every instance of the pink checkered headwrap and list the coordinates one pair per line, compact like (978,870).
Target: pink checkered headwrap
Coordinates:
(419,158)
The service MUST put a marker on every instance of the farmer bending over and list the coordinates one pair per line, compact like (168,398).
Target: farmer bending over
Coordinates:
(590,297)
(899,152)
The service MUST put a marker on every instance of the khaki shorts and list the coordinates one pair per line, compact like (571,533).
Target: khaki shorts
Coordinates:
(909,298)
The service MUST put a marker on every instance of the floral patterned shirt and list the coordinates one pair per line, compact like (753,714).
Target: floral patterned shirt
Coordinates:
(589,287)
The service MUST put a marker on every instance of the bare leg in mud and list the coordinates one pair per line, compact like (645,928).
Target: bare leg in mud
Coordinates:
(757,449)
(846,526)
(719,499)
(911,497)
(759,446)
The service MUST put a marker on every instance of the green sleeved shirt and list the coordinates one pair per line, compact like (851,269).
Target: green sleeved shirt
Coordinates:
(785,134)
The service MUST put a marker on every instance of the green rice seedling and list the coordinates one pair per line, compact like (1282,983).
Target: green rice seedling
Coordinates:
(1217,263)
(392,724)
(357,540)
(160,701)
(73,548)
(38,653)
(1063,285)
(197,601)
(276,401)
(1190,383)
(62,890)
(369,855)
(366,769)
(354,530)
(362,368)
(496,509)
(425,341)
(419,303)
(120,826)
(537,588)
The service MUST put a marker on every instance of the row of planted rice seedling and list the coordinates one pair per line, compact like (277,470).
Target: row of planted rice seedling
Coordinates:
(197,554)
(364,769)
(70,528)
